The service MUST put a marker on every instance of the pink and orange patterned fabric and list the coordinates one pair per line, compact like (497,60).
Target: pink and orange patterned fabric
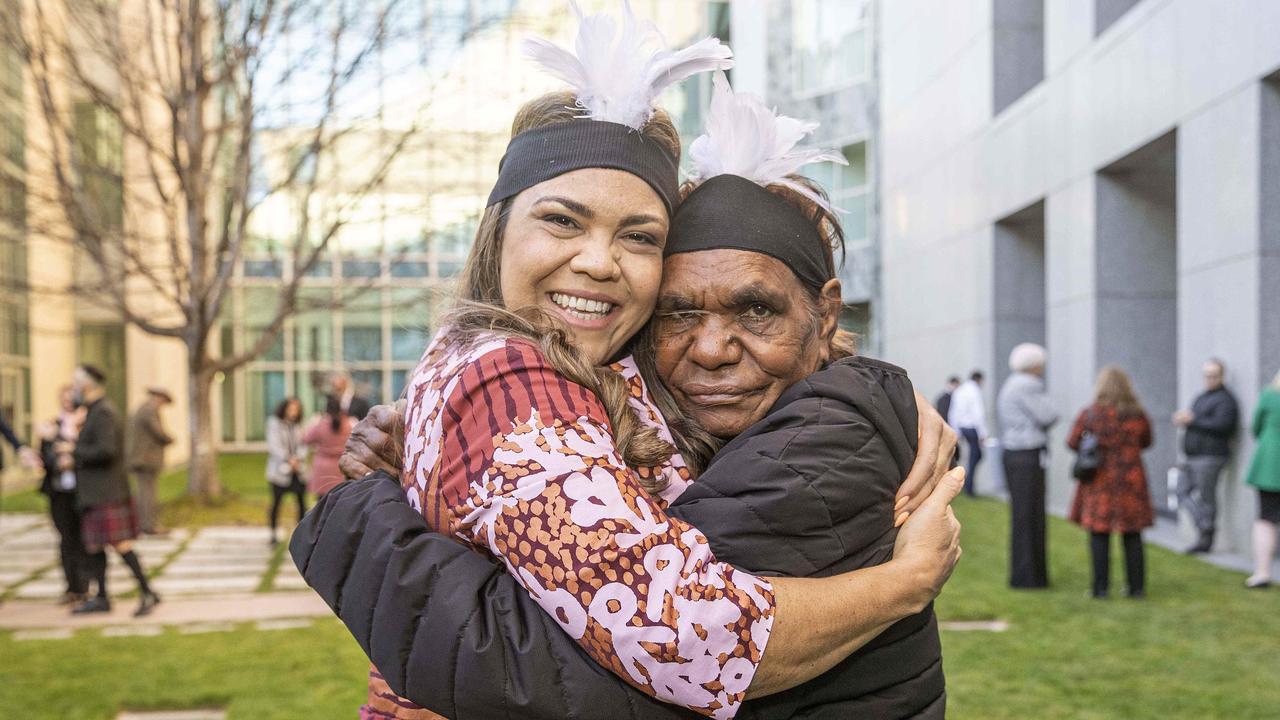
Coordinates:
(511,458)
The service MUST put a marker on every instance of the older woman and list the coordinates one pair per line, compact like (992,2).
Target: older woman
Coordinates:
(809,490)
(1026,414)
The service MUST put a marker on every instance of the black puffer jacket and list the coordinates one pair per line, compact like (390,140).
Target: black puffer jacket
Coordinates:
(807,491)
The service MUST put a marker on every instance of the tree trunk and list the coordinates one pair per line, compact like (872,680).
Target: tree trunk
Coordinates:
(202,473)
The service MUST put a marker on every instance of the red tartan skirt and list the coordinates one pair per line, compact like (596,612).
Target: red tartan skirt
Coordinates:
(107,524)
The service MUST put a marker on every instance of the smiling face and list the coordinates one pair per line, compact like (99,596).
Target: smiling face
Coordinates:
(734,330)
(586,247)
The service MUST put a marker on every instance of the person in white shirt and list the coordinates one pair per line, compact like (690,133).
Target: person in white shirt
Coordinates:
(968,415)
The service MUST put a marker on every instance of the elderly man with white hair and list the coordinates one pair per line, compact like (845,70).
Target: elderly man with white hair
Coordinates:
(1026,414)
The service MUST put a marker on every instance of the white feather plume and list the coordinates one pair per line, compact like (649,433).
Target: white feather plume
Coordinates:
(745,137)
(618,70)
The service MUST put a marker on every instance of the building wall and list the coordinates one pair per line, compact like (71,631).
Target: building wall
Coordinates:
(815,60)
(1150,141)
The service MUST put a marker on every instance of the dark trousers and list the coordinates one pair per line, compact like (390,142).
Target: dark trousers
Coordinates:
(1024,475)
(972,458)
(1198,489)
(1134,562)
(297,489)
(66,519)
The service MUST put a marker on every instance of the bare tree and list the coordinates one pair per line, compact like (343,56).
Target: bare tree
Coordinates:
(220,110)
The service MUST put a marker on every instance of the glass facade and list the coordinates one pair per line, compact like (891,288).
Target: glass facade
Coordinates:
(829,40)
(373,325)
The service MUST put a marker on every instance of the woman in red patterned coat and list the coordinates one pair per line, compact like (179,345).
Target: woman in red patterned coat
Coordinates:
(1117,499)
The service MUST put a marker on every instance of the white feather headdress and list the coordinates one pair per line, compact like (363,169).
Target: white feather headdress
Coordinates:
(745,137)
(620,69)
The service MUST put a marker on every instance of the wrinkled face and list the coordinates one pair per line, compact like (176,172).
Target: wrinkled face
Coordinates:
(586,247)
(734,330)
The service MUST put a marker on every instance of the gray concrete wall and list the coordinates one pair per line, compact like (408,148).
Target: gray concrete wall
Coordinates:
(951,170)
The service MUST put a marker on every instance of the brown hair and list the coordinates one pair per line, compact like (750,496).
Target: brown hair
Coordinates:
(480,309)
(1115,390)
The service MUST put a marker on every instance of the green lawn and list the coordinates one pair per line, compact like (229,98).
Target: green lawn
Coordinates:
(245,501)
(316,672)
(1199,647)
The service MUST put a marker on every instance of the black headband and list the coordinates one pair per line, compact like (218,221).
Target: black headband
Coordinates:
(545,152)
(732,212)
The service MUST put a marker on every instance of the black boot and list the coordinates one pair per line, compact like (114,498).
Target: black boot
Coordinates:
(149,602)
(95,604)
(1203,545)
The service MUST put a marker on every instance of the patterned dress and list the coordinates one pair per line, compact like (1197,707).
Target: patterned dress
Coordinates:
(518,462)
(1117,499)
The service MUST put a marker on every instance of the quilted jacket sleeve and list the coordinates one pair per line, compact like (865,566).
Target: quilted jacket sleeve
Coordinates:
(447,628)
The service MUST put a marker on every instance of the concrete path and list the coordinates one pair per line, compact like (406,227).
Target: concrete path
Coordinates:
(214,575)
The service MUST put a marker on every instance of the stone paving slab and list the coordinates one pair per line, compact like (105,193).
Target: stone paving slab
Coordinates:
(292,581)
(174,715)
(181,568)
(203,628)
(51,634)
(286,624)
(9,577)
(976,625)
(200,585)
(132,631)
(240,607)
(42,588)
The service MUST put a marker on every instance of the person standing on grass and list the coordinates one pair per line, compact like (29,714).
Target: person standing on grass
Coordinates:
(1116,500)
(1264,474)
(326,437)
(146,441)
(1026,414)
(60,487)
(1210,424)
(968,415)
(107,511)
(286,459)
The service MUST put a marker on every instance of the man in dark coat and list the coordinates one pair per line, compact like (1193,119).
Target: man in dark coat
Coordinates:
(105,503)
(1209,426)
(60,487)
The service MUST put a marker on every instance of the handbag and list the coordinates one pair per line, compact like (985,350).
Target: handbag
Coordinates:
(1085,467)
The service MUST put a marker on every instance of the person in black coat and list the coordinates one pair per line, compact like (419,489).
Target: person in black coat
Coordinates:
(60,487)
(1209,425)
(108,517)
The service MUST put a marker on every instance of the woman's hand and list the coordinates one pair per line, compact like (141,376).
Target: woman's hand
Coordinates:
(929,541)
(376,443)
(936,448)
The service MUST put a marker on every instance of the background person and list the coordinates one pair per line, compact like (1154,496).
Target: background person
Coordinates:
(107,511)
(1210,424)
(968,415)
(326,437)
(286,458)
(1026,414)
(1117,499)
(60,487)
(342,389)
(1264,474)
(146,442)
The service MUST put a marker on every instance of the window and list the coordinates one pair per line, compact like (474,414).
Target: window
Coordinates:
(848,188)
(1017,46)
(98,141)
(1106,12)
(829,44)
(263,391)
